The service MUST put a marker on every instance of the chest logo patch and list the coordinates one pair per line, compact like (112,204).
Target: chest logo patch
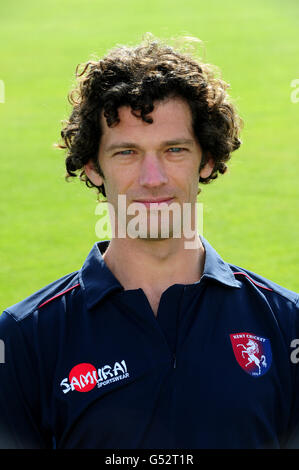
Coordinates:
(84,376)
(253,353)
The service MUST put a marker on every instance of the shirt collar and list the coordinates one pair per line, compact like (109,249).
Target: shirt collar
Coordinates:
(97,280)
(215,268)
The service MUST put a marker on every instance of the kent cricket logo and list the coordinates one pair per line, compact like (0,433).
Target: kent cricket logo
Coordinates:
(253,353)
(84,377)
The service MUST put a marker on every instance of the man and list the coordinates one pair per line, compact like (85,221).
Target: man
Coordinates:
(151,344)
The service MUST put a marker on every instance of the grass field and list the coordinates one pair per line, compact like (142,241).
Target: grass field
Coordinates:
(250,214)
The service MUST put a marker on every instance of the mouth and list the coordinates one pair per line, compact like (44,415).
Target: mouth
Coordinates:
(154,202)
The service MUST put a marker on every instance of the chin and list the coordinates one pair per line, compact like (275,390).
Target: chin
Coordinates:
(157,237)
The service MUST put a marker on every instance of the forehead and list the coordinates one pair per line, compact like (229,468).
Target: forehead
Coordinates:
(171,119)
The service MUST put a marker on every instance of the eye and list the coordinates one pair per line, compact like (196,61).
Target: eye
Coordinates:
(176,149)
(124,152)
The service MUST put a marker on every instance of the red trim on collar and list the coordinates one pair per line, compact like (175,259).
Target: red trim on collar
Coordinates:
(256,283)
(57,295)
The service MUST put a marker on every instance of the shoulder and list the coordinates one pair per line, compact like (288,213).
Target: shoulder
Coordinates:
(264,285)
(263,295)
(65,285)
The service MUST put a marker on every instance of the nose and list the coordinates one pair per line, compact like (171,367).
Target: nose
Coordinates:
(152,173)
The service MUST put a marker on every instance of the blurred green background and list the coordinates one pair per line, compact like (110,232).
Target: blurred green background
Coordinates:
(250,214)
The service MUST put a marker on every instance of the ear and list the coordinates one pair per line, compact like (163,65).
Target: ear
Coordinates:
(207,169)
(92,174)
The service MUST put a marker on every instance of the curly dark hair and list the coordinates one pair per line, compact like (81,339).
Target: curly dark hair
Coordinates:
(137,77)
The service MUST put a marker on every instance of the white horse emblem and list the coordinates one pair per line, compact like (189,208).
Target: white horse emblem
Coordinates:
(252,349)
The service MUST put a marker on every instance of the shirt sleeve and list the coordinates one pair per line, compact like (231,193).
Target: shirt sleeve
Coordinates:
(20,404)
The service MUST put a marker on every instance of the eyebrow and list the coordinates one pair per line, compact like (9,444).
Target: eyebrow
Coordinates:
(163,144)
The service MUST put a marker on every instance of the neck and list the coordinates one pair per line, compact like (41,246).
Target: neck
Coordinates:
(154,264)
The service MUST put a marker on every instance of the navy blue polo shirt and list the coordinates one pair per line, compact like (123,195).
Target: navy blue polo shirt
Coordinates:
(88,365)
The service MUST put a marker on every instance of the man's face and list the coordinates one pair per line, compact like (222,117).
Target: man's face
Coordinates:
(150,162)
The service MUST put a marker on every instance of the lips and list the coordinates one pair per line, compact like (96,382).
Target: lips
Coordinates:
(147,202)
(154,201)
